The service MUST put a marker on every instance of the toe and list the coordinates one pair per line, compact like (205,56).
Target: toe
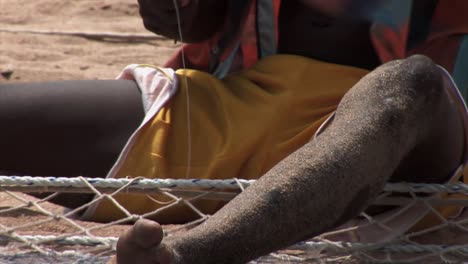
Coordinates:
(146,234)
(138,244)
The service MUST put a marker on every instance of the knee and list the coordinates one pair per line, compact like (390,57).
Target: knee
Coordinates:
(418,93)
(404,93)
(415,83)
(423,73)
(417,76)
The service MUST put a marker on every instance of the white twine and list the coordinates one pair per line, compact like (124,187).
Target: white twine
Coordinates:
(336,247)
(77,182)
(346,247)
(69,241)
(231,184)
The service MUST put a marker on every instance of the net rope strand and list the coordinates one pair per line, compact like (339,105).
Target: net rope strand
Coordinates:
(337,247)
(231,184)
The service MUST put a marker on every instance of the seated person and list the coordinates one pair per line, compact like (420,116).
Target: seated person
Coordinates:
(258,81)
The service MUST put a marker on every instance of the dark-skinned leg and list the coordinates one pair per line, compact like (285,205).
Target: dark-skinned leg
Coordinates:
(379,124)
(66,128)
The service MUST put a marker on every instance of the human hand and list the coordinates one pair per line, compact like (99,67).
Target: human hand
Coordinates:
(142,244)
(159,16)
(199,19)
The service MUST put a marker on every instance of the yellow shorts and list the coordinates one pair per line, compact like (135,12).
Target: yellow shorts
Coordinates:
(240,127)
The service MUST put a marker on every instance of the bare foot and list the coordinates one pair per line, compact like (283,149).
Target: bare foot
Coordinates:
(142,244)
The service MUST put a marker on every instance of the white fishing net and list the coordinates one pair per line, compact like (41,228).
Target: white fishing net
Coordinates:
(36,231)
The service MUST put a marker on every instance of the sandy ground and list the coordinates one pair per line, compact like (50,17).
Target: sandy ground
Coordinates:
(42,57)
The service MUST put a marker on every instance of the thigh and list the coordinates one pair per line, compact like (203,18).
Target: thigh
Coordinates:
(66,128)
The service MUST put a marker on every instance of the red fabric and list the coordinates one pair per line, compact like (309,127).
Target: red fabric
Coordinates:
(249,34)
(197,56)
(432,48)
(249,38)
(450,17)
(388,42)
(449,24)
